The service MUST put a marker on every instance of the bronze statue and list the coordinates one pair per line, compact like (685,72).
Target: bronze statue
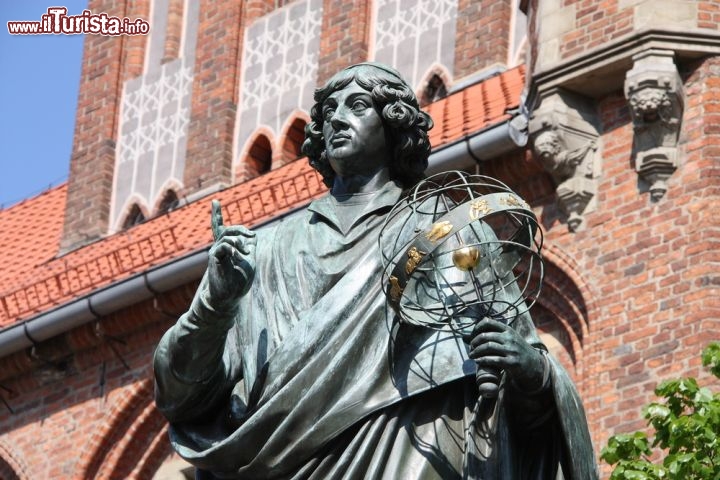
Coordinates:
(291,364)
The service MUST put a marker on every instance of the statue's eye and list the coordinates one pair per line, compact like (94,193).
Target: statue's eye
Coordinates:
(328,113)
(360,106)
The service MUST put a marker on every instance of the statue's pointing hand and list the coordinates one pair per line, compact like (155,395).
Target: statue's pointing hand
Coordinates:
(231,265)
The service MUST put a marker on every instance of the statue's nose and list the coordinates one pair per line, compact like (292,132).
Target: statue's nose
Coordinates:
(339,119)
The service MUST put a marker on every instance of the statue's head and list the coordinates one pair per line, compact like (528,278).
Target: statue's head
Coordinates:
(382,118)
(547,145)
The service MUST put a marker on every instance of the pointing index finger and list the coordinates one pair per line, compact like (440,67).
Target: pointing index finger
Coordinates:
(216,220)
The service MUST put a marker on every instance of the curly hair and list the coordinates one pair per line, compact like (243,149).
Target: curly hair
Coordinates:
(406,125)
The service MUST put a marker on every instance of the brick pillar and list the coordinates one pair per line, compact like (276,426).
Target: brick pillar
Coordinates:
(134,51)
(173,33)
(345,35)
(478,21)
(107,62)
(208,165)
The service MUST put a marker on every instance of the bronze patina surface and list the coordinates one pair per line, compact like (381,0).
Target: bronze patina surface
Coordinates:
(290,362)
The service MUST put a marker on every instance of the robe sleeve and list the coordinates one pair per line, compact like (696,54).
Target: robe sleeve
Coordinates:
(195,364)
(578,458)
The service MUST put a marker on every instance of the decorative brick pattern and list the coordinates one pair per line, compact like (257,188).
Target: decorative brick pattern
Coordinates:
(279,68)
(169,236)
(416,39)
(121,416)
(141,439)
(155,117)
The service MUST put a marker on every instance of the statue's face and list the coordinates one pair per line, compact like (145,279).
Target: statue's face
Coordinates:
(354,134)
(547,145)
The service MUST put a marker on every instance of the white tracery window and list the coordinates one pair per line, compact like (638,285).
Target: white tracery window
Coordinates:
(279,70)
(415,36)
(154,118)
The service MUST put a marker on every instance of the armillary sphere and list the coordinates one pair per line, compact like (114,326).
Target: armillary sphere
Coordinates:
(460,248)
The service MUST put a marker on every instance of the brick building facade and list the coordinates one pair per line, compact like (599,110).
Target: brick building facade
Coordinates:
(603,115)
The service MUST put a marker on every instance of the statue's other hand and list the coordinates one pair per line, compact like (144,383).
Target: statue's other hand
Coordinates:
(231,263)
(497,345)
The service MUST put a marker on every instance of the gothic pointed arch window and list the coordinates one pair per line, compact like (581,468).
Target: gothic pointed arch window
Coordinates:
(7,472)
(415,39)
(259,159)
(154,121)
(276,81)
(134,217)
(294,139)
(434,90)
(169,203)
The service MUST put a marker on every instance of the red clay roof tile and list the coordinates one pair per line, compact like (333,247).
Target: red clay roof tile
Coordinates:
(33,280)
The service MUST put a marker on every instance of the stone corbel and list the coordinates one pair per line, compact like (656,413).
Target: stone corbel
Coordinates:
(565,140)
(654,92)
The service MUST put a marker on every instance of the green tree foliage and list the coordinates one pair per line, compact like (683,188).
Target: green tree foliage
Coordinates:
(687,428)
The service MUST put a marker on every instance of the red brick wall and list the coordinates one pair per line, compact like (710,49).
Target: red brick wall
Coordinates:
(79,412)
(482,36)
(652,267)
(55,425)
(107,63)
(345,35)
(645,274)
(134,48)
(597,23)
(173,35)
(565,30)
(708,14)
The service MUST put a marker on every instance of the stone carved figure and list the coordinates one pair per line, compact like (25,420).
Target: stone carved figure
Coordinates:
(654,117)
(651,105)
(655,95)
(561,163)
(572,170)
(291,364)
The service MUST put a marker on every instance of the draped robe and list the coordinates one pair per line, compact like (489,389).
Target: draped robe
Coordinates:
(311,376)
